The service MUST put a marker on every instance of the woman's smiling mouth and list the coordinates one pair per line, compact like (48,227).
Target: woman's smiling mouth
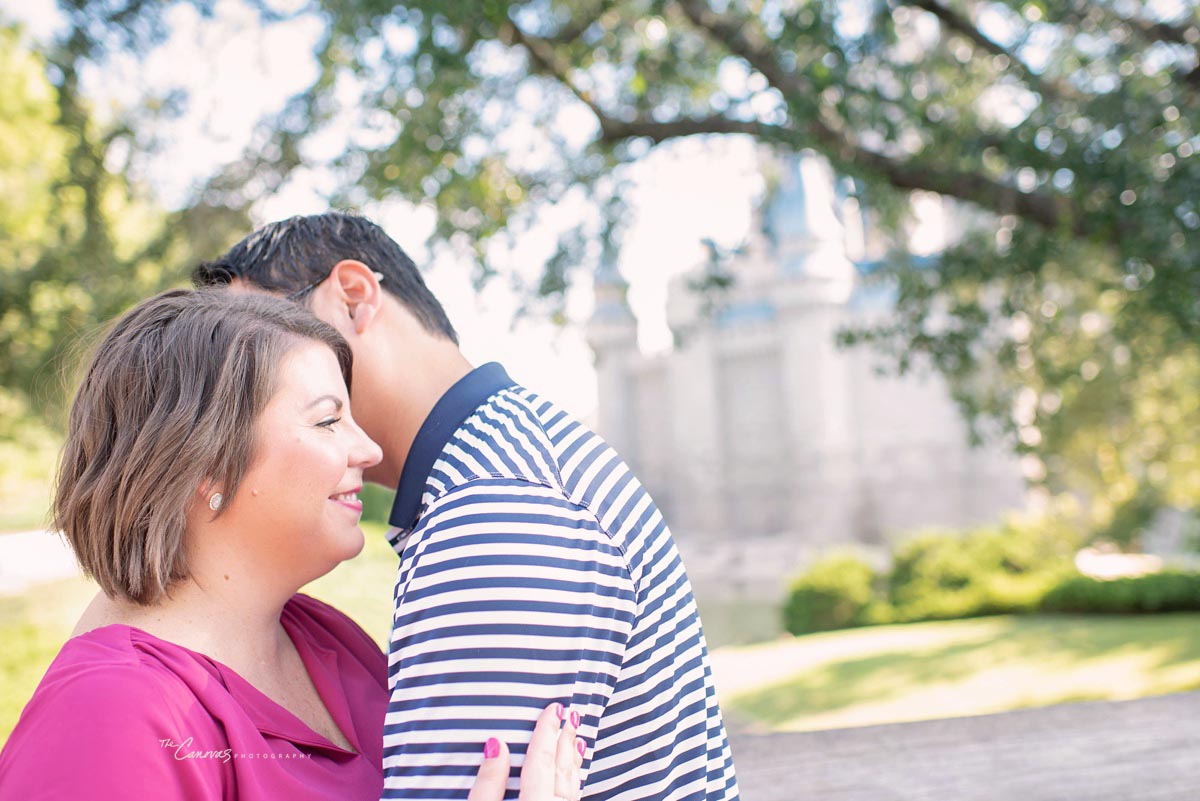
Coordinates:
(349,499)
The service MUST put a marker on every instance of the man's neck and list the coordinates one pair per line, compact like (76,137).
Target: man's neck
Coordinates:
(424,385)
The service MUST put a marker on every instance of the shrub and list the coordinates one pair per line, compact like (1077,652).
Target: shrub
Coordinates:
(837,591)
(1170,591)
(1006,568)
(992,570)
(377,502)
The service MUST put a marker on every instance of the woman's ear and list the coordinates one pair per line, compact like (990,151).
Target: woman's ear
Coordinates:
(356,287)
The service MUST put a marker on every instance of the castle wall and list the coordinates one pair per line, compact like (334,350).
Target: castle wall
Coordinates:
(769,431)
(763,442)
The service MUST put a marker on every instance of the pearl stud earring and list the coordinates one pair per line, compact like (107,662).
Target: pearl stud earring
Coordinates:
(214,502)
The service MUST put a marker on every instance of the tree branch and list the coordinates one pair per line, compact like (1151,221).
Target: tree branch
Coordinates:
(576,27)
(1158,31)
(825,134)
(614,130)
(546,61)
(1045,209)
(962,25)
(822,131)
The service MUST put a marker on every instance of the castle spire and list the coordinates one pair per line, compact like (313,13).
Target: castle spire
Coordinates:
(612,326)
(802,224)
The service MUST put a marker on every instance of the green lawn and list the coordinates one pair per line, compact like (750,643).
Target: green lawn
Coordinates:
(966,667)
(26,476)
(33,626)
(362,587)
(829,680)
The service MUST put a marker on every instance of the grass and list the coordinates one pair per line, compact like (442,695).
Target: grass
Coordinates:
(34,625)
(362,587)
(829,680)
(26,476)
(956,668)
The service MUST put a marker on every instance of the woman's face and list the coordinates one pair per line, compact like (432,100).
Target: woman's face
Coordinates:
(299,498)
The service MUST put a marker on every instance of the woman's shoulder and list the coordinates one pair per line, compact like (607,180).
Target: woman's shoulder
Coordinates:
(102,684)
(332,628)
(98,723)
(111,666)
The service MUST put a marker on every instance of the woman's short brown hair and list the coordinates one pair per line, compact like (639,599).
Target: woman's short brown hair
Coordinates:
(169,402)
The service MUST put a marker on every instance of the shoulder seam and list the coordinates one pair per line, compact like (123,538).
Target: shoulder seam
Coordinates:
(508,392)
(519,393)
(474,480)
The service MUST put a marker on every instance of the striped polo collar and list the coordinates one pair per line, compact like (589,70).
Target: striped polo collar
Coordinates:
(447,415)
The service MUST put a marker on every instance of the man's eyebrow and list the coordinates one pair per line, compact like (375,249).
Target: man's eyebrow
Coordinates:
(336,401)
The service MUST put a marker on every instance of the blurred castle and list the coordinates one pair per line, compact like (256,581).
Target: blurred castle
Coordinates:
(756,425)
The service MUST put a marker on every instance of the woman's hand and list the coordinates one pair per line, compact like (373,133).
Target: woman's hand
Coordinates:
(551,769)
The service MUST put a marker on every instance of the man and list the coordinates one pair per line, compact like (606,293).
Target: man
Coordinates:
(533,566)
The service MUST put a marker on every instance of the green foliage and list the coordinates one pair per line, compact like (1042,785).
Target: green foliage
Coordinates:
(1067,131)
(80,240)
(1099,395)
(377,503)
(836,592)
(993,570)
(28,455)
(1169,591)
(1019,566)
(1005,568)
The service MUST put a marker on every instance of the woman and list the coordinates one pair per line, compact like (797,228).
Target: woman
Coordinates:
(211,469)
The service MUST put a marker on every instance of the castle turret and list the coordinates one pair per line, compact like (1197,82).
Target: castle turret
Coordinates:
(612,335)
(808,240)
(815,278)
(612,329)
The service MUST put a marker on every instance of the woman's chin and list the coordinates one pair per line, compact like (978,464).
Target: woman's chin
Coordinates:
(343,548)
(359,542)
(347,544)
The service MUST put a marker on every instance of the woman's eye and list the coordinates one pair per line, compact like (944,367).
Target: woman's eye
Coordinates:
(329,423)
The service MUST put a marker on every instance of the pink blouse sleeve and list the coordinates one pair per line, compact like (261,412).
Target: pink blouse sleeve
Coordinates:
(113,732)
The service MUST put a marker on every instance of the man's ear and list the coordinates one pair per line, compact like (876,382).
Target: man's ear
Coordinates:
(356,287)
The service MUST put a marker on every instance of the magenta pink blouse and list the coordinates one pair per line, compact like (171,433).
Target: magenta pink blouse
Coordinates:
(121,714)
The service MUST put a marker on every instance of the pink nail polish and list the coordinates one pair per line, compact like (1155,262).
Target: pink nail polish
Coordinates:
(580,745)
(491,749)
(575,718)
(558,710)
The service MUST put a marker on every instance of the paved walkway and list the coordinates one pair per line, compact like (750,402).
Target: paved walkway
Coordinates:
(1144,750)
(31,557)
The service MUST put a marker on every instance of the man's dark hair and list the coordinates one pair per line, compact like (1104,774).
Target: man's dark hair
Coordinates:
(288,255)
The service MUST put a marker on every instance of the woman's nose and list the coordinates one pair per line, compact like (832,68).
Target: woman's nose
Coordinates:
(365,453)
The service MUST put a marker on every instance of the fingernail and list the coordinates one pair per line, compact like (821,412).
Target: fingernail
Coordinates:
(558,710)
(491,749)
(580,745)
(574,718)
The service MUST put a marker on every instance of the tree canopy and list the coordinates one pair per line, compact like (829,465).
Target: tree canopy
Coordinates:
(1068,129)
(81,240)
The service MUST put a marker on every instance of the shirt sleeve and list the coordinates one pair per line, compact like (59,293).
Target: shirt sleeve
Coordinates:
(509,597)
(99,734)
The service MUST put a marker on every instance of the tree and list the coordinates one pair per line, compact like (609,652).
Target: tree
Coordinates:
(1070,128)
(81,241)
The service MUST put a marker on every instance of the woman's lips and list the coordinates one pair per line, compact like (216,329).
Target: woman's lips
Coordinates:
(348,499)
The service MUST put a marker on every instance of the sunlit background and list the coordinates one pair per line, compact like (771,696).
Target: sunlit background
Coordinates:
(893,306)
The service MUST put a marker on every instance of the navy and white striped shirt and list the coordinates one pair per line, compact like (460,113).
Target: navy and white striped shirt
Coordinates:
(535,568)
